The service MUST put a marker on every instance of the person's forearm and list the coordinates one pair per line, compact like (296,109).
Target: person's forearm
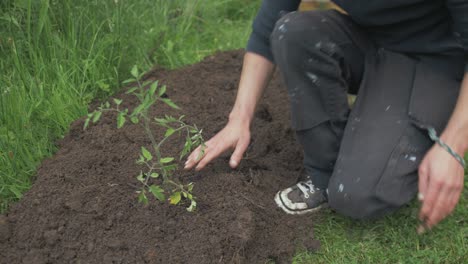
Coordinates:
(256,73)
(456,132)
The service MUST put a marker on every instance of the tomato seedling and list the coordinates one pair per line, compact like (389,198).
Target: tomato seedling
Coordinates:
(156,167)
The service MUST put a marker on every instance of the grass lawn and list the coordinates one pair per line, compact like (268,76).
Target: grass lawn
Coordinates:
(392,239)
(57,56)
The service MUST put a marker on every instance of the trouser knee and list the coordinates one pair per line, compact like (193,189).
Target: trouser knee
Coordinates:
(356,205)
(298,34)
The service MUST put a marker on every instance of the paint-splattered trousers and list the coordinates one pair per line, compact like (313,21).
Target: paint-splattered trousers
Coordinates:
(368,155)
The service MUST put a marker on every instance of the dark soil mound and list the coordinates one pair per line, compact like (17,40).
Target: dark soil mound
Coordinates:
(83,207)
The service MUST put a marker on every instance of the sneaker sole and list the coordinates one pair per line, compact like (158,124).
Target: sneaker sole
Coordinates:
(281,205)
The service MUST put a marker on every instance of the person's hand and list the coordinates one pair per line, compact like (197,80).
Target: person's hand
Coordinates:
(235,135)
(440,186)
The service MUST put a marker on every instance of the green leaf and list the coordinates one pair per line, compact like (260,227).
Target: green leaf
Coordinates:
(192,206)
(117,101)
(161,121)
(107,105)
(162,91)
(169,132)
(183,153)
(121,120)
(134,120)
(195,136)
(141,160)
(166,160)
(96,116)
(170,168)
(190,187)
(140,177)
(145,83)
(154,175)
(131,80)
(202,152)
(187,148)
(147,102)
(153,88)
(170,103)
(170,118)
(158,192)
(137,109)
(175,198)
(135,72)
(142,198)
(131,90)
(86,124)
(146,154)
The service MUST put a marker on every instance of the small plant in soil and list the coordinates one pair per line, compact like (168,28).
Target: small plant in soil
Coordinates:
(156,167)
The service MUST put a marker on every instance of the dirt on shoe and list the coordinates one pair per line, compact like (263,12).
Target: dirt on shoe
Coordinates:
(83,205)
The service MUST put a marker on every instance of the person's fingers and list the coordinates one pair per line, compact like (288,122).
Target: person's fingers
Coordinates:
(423,180)
(440,209)
(198,154)
(226,139)
(210,155)
(238,153)
(192,158)
(430,198)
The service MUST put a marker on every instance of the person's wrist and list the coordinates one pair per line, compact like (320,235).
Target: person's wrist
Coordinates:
(458,142)
(243,117)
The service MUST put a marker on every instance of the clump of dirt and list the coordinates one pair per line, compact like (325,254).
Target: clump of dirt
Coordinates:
(83,207)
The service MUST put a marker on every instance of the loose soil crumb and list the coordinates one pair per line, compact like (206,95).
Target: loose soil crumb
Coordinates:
(83,207)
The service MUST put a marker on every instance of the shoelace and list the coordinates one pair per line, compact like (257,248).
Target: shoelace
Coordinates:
(306,188)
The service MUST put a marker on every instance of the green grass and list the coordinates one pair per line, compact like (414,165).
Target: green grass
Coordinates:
(57,56)
(392,239)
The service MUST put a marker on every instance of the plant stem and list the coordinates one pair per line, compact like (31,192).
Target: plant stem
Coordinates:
(164,139)
(177,185)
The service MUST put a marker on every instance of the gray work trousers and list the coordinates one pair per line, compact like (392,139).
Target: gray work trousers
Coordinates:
(366,156)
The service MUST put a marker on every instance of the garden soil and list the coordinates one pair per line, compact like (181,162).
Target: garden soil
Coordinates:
(83,205)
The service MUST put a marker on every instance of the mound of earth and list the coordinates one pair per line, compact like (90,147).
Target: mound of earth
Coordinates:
(83,208)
